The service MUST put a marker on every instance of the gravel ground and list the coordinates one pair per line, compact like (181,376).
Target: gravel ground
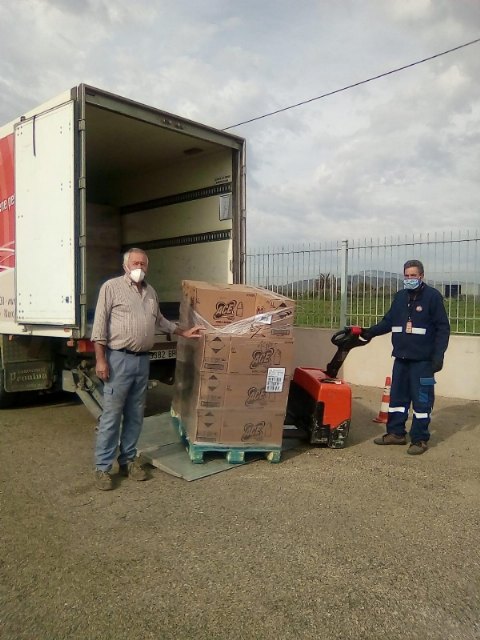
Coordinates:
(361,543)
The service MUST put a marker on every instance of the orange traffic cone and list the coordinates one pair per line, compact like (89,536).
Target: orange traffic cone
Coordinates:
(383,413)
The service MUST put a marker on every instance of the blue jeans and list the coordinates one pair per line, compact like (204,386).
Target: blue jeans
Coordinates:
(412,384)
(123,396)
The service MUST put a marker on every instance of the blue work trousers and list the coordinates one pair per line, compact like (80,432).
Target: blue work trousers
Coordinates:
(124,396)
(412,384)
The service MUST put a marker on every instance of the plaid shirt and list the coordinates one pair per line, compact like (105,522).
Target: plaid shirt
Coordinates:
(126,318)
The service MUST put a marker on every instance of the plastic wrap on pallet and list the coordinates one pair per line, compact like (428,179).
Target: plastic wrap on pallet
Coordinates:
(276,324)
(241,309)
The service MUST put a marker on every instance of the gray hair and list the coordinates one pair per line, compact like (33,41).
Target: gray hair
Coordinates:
(133,250)
(414,264)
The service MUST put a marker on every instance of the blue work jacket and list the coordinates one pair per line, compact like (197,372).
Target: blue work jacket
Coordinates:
(419,325)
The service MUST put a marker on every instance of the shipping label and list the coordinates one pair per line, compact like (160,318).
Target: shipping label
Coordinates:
(275,379)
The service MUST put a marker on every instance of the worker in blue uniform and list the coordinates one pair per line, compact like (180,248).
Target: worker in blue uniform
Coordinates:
(420,333)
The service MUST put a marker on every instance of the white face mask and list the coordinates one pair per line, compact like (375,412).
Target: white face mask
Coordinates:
(137,275)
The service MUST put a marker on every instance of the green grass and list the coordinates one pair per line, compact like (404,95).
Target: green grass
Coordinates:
(463,312)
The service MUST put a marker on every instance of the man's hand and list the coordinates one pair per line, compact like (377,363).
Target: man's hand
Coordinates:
(194,332)
(437,365)
(365,336)
(101,365)
(102,369)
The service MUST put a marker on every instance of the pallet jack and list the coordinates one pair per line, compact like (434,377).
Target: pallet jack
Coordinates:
(319,404)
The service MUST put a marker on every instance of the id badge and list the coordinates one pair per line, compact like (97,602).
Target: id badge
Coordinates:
(408,328)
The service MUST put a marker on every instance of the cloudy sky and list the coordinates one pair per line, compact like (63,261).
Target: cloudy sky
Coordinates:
(394,156)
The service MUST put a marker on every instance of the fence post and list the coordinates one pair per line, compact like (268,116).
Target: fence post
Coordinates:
(344,284)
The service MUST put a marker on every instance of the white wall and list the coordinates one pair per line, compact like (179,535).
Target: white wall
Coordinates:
(371,364)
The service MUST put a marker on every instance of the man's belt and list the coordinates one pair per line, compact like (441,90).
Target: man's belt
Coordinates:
(132,353)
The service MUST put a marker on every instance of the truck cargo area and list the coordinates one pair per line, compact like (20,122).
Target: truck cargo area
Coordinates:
(160,189)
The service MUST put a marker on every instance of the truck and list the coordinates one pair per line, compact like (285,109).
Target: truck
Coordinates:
(84,177)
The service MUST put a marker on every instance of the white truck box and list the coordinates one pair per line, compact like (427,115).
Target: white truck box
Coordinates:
(83,178)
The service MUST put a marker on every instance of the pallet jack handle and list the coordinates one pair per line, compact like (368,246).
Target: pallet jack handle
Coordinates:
(346,339)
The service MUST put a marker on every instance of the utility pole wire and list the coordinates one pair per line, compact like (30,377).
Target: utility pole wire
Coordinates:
(355,84)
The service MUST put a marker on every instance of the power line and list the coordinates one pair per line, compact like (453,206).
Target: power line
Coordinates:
(355,84)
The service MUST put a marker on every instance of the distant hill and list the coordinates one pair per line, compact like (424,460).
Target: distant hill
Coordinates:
(364,280)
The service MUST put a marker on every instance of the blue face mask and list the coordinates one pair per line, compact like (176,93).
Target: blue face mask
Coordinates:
(411,283)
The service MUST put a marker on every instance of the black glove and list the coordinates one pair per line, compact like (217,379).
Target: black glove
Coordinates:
(437,365)
(365,335)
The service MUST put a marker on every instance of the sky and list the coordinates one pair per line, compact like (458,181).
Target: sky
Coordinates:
(399,155)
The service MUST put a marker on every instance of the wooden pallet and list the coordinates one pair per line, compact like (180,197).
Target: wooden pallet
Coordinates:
(233,454)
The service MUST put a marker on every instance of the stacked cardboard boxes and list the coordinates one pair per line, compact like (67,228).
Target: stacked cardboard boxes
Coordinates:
(232,384)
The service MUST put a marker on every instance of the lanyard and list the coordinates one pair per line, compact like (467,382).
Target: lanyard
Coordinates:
(411,300)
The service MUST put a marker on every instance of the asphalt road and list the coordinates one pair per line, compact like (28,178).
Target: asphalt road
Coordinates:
(361,543)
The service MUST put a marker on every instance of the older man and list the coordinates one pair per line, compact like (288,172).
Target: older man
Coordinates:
(127,317)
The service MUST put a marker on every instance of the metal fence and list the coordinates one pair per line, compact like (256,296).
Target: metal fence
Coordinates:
(353,281)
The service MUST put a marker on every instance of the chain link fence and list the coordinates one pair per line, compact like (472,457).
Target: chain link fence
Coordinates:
(353,281)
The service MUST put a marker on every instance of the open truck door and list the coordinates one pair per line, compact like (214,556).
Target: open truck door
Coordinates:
(38,238)
(45,193)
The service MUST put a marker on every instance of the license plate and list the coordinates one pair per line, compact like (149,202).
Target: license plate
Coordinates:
(164,354)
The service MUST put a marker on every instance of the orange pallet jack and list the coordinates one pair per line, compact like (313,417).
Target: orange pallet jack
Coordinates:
(319,404)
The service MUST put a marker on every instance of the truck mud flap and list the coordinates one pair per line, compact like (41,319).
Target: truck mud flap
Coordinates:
(28,376)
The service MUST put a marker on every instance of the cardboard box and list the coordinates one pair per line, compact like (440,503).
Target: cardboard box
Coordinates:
(270,302)
(243,428)
(103,250)
(210,352)
(211,390)
(197,357)
(251,393)
(204,389)
(235,427)
(215,353)
(184,383)
(257,356)
(208,401)
(204,425)
(268,326)
(223,305)
(219,304)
